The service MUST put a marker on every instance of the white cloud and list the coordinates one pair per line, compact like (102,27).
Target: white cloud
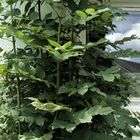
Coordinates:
(115,36)
(134,30)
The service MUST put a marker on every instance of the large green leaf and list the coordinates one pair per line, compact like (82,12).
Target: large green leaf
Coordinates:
(86,134)
(29,136)
(84,87)
(92,17)
(103,10)
(40,72)
(99,110)
(82,72)
(19,34)
(64,125)
(68,55)
(93,44)
(65,46)
(3,69)
(49,107)
(106,16)
(81,117)
(54,43)
(90,11)
(54,53)
(98,91)
(85,116)
(110,74)
(39,121)
(81,14)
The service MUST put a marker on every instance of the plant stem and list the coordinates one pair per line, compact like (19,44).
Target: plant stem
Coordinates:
(39,15)
(14,44)
(70,69)
(59,30)
(87,35)
(39,9)
(17,76)
(58,75)
(58,40)
(70,60)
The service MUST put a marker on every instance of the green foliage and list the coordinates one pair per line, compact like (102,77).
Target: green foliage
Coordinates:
(50,107)
(55,86)
(110,74)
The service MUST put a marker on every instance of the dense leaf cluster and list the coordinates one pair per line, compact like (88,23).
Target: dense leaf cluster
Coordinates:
(56,86)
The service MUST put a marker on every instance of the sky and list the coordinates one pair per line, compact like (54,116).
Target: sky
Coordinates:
(130,26)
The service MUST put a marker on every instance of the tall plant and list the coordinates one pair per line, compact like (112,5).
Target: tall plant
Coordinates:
(56,86)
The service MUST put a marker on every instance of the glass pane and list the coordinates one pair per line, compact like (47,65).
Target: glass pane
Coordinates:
(128,27)
(124,1)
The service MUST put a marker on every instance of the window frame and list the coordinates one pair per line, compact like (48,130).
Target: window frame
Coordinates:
(127,6)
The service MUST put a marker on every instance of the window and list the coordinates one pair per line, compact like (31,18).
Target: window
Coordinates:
(130,26)
(127,4)
(126,28)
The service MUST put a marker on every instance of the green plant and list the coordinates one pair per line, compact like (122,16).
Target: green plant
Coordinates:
(55,86)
